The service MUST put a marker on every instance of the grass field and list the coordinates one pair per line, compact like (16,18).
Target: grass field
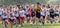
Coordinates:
(47,25)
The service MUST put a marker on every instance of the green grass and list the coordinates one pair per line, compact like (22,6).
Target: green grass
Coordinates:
(47,25)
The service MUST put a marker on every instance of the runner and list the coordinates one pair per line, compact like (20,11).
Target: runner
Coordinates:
(51,11)
(4,18)
(33,14)
(43,14)
(38,12)
(22,17)
(28,14)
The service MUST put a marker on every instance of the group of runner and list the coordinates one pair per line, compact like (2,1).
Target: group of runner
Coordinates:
(33,13)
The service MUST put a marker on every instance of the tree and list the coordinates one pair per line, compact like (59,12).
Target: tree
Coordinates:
(12,2)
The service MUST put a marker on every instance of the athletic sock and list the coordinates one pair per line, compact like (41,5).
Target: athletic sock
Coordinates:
(51,22)
(42,23)
(4,25)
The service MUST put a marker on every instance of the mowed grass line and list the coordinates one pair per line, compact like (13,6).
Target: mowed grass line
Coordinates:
(47,25)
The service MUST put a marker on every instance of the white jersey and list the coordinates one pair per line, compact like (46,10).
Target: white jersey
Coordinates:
(17,14)
(1,10)
(43,12)
(12,16)
(56,11)
(47,12)
(9,16)
(22,13)
(4,16)
(59,10)
(14,9)
(5,11)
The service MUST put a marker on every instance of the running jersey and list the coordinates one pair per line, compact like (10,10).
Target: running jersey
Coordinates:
(28,11)
(9,14)
(43,12)
(24,9)
(51,11)
(47,12)
(32,13)
(22,13)
(17,14)
(59,11)
(1,10)
(5,11)
(12,15)
(38,9)
(14,9)
(4,16)
(56,11)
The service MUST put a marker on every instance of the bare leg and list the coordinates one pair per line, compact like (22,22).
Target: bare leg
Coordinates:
(4,23)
